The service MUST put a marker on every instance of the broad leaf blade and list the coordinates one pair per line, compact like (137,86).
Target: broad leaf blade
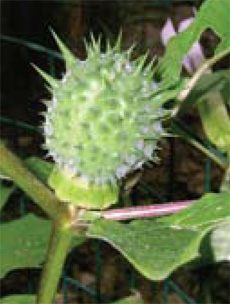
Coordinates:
(157,247)
(24,243)
(216,121)
(154,249)
(209,211)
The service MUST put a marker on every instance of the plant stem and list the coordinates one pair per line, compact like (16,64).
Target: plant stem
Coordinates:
(55,259)
(145,211)
(13,167)
(200,71)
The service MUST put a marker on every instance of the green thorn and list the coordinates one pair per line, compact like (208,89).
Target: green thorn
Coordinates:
(89,49)
(96,45)
(45,102)
(108,47)
(49,89)
(87,46)
(117,46)
(141,61)
(150,69)
(52,81)
(130,50)
(67,54)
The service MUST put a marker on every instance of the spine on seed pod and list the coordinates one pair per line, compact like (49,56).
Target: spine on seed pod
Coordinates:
(102,122)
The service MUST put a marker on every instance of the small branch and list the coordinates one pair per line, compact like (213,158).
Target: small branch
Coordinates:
(201,70)
(145,211)
(13,167)
(58,249)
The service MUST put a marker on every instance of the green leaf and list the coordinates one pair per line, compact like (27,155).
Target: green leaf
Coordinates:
(179,46)
(216,121)
(19,299)
(207,212)
(5,193)
(40,168)
(24,243)
(158,247)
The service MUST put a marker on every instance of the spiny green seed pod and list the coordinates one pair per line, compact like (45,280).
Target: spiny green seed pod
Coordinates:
(103,120)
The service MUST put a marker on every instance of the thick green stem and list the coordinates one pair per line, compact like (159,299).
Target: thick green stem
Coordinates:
(55,259)
(13,167)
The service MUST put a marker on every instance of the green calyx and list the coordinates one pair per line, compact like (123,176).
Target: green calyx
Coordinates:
(81,193)
(103,120)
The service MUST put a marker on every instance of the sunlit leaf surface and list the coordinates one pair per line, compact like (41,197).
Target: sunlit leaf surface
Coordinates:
(157,247)
(24,243)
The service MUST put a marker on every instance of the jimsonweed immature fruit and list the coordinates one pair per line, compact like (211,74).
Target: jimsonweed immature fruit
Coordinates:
(103,120)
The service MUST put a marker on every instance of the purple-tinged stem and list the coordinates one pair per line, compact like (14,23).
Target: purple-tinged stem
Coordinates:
(145,211)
